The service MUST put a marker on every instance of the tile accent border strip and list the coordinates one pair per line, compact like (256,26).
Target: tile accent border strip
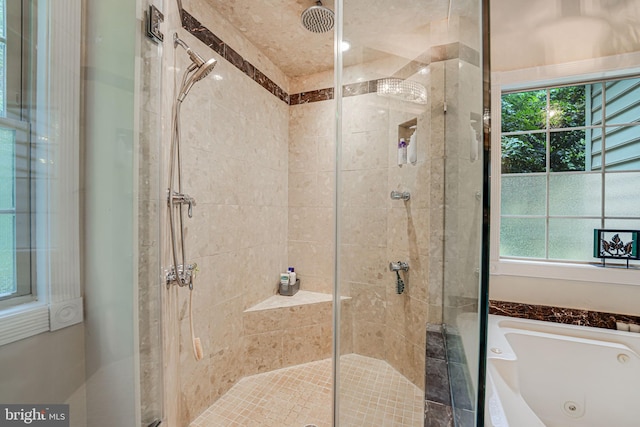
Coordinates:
(570,316)
(435,54)
(202,33)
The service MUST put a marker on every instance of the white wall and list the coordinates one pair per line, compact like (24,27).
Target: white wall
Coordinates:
(528,34)
(605,297)
(45,368)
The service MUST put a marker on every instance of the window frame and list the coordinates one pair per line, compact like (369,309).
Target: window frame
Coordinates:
(54,91)
(549,174)
(619,66)
(3,42)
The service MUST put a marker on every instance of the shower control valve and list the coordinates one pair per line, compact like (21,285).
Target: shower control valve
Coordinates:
(397,266)
(183,276)
(183,199)
(400,195)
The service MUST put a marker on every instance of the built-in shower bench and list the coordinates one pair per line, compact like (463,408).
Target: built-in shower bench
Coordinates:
(284,331)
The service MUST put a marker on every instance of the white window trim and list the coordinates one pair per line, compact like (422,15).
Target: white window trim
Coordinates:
(591,69)
(57,301)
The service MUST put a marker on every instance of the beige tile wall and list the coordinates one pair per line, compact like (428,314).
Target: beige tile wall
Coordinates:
(375,230)
(311,194)
(234,163)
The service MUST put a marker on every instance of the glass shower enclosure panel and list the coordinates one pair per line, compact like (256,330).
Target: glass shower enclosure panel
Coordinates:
(465,174)
(409,204)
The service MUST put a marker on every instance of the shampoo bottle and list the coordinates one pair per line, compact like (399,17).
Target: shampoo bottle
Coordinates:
(292,276)
(402,152)
(284,278)
(284,282)
(412,149)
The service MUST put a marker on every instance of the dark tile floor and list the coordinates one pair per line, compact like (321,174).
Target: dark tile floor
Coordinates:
(446,383)
(438,411)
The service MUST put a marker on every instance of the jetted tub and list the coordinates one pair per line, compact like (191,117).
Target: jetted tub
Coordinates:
(554,375)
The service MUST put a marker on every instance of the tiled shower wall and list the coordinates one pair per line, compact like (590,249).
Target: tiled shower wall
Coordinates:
(234,161)
(375,230)
(378,230)
(311,194)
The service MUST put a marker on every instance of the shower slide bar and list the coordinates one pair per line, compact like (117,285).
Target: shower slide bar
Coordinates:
(182,273)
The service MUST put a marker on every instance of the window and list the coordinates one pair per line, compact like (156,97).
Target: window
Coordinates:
(570,164)
(15,163)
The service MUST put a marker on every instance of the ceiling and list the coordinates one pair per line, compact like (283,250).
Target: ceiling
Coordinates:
(524,33)
(375,28)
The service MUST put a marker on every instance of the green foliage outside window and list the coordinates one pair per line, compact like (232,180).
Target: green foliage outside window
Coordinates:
(529,114)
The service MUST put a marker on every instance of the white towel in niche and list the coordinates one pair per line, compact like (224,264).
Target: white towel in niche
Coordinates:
(412,149)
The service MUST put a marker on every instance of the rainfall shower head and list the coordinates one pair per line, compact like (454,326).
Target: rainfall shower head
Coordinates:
(318,19)
(200,68)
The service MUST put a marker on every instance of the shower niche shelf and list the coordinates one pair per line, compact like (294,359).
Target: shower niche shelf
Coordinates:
(407,133)
(406,129)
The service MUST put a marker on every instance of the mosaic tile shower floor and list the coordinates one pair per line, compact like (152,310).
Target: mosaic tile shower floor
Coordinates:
(373,395)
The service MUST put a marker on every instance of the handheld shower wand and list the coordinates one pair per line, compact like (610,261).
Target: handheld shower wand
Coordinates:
(200,68)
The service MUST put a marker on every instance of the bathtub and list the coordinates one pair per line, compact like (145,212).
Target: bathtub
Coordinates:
(554,375)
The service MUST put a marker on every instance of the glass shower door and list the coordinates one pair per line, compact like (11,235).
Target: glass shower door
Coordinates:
(409,206)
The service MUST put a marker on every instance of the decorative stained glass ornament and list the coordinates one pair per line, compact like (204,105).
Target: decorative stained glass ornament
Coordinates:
(615,244)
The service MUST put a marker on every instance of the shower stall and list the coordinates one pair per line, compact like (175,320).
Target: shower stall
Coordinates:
(340,138)
(362,169)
